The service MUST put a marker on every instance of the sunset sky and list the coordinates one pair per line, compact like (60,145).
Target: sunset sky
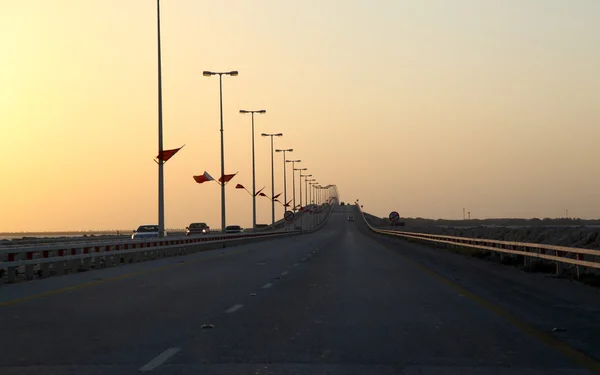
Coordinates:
(423,107)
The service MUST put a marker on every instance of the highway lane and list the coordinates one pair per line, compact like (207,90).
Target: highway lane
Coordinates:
(339,301)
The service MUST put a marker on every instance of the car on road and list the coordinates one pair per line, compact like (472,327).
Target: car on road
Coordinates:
(233,229)
(146,231)
(350,218)
(197,228)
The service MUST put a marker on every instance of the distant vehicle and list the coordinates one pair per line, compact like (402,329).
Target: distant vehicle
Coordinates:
(350,218)
(233,229)
(197,228)
(146,231)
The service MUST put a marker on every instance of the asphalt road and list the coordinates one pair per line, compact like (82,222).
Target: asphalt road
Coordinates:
(339,301)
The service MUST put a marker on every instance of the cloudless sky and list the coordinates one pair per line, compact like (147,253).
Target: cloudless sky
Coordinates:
(423,107)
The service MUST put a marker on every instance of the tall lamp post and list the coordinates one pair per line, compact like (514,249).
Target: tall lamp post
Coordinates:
(313,184)
(313,194)
(305,188)
(293,181)
(161,191)
(307,182)
(253,167)
(300,183)
(232,73)
(284,175)
(272,175)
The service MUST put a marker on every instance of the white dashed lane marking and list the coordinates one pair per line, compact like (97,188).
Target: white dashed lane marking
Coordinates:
(233,309)
(159,359)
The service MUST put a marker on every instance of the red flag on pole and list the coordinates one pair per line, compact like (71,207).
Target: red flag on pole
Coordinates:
(288,203)
(240,186)
(203,178)
(226,178)
(165,155)
(262,194)
(277,196)
(258,192)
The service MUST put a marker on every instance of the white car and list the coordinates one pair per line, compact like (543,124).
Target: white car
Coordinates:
(146,231)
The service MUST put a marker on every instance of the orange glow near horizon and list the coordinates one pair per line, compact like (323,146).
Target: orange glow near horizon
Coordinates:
(423,108)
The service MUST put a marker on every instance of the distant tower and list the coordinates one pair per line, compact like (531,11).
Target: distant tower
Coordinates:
(469,215)
(464,214)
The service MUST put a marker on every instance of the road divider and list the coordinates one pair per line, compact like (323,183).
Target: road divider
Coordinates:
(43,261)
(62,258)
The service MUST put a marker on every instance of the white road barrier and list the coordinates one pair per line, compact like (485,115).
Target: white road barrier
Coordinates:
(68,257)
(561,255)
(61,258)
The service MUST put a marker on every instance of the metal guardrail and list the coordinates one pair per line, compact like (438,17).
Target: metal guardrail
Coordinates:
(73,256)
(561,255)
(95,254)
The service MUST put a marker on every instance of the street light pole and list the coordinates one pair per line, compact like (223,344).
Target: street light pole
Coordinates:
(253,167)
(208,74)
(284,176)
(161,191)
(305,188)
(272,175)
(300,183)
(313,185)
(293,181)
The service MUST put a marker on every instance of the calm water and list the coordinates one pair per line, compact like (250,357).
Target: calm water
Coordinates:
(11,236)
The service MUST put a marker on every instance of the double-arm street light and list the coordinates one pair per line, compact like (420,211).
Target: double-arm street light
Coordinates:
(272,175)
(232,73)
(253,166)
(284,176)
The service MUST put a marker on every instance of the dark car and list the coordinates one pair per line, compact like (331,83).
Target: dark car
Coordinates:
(233,229)
(197,228)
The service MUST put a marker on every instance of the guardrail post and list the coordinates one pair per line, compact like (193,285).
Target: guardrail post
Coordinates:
(60,265)
(29,267)
(579,268)
(560,267)
(108,257)
(11,272)
(45,267)
(87,260)
(74,263)
(97,258)
(119,258)
(127,258)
